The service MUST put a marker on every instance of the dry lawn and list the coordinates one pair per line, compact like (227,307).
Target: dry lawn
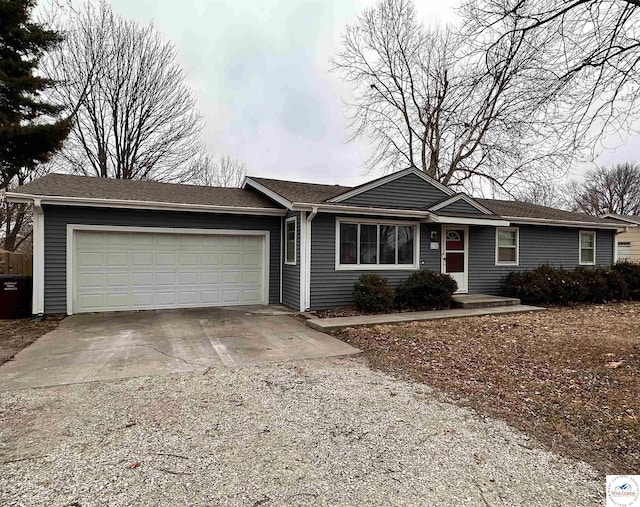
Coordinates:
(16,334)
(570,376)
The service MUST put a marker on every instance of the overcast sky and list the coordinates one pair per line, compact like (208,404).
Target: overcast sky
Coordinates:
(260,71)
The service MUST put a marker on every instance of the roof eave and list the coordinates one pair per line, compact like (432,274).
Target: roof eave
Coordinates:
(18,197)
(562,223)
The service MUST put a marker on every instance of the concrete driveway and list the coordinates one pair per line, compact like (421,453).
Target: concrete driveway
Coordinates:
(119,345)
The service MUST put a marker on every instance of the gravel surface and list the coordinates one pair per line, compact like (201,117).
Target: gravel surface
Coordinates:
(316,432)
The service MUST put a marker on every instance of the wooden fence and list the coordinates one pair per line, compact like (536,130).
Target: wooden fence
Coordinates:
(16,263)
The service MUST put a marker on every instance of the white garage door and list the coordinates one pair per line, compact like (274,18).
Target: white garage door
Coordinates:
(143,270)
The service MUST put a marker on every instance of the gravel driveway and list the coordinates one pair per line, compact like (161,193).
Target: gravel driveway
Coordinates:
(315,432)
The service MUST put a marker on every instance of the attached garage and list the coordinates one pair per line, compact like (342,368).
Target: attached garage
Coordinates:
(122,268)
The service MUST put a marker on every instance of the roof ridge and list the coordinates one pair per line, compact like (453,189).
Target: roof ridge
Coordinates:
(258,178)
(121,181)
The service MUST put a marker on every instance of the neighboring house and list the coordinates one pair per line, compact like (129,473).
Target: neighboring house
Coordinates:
(628,245)
(109,245)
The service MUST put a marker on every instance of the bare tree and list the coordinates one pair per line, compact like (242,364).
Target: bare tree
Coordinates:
(222,171)
(608,190)
(135,118)
(15,218)
(592,47)
(437,101)
(543,193)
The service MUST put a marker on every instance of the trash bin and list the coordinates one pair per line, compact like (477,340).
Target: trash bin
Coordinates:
(15,296)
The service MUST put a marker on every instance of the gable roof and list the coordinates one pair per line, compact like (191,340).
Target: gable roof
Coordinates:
(442,205)
(630,219)
(85,187)
(270,196)
(365,187)
(295,191)
(523,210)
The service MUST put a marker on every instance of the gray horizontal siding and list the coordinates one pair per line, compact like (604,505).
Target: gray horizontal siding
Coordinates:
(290,273)
(331,288)
(539,245)
(461,207)
(406,192)
(56,219)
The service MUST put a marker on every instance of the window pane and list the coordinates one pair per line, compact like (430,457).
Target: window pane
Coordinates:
(290,247)
(387,244)
(405,244)
(455,240)
(507,238)
(368,244)
(506,254)
(587,240)
(455,262)
(586,255)
(348,243)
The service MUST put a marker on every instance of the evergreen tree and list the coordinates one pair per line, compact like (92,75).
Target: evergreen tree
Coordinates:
(30,131)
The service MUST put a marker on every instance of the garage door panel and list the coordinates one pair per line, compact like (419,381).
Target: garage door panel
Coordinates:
(144,279)
(138,270)
(166,259)
(117,259)
(230,259)
(251,277)
(250,296)
(90,259)
(90,280)
(117,280)
(141,259)
(210,277)
(116,239)
(210,259)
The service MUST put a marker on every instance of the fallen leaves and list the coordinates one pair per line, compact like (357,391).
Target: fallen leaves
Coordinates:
(569,376)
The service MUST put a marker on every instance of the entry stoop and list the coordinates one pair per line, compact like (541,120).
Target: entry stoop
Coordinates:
(482,301)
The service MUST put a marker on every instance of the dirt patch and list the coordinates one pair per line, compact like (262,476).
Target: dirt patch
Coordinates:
(569,376)
(16,334)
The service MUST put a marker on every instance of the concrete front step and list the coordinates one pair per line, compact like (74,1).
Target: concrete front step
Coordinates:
(482,301)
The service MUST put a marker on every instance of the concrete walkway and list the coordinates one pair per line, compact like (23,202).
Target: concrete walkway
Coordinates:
(334,323)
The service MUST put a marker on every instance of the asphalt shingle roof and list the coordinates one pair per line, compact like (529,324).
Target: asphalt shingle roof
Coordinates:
(526,210)
(294,191)
(626,218)
(64,185)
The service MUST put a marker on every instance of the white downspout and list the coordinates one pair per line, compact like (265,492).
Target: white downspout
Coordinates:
(307,271)
(37,301)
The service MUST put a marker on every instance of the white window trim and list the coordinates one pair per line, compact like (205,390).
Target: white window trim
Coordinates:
(378,267)
(593,233)
(506,263)
(295,241)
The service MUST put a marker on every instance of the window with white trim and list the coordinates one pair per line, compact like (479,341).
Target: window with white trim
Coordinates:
(587,247)
(290,240)
(370,245)
(507,246)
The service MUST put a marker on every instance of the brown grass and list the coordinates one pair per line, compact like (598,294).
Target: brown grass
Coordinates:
(16,334)
(569,376)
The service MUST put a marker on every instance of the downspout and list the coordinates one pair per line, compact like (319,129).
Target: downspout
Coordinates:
(37,300)
(282,243)
(307,271)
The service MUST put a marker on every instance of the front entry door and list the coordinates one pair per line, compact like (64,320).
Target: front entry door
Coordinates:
(454,255)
